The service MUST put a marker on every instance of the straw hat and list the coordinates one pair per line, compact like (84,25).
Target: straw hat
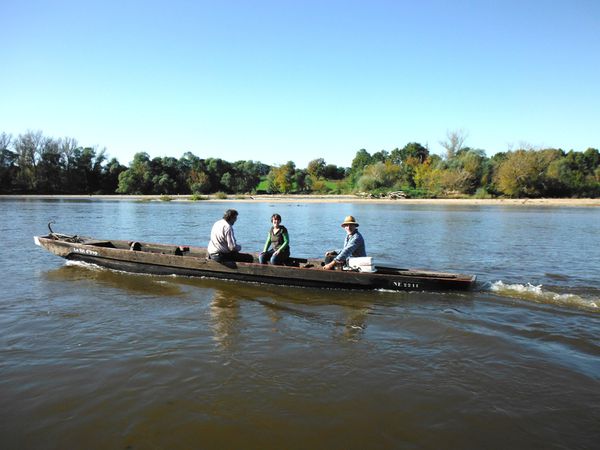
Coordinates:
(350,220)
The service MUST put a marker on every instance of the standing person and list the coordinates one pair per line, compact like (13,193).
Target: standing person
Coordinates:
(222,245)
(354,245)
(279,238)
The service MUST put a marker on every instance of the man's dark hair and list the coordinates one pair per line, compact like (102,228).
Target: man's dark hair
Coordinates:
(230,214)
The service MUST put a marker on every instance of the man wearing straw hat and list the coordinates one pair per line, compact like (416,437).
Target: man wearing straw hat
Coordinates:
(354,245)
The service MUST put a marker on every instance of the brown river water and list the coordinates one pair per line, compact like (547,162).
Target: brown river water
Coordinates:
(98,359)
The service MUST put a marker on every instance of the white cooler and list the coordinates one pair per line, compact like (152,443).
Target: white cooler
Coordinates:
(362,264)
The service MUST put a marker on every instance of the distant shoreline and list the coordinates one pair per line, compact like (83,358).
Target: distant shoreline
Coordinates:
(577,202)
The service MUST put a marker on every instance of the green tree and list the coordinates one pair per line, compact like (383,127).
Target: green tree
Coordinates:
(410,150)
(29,148)
(216,168)
(316,168)
(592,159)
(165,175)
(84,171)
(8,166)
(333,172)
(572,175)
(227,182)
(380,156)
(246,176)
(49,171)
(69,154)
(302,180)
(361,160)
(138,178)
(110,176)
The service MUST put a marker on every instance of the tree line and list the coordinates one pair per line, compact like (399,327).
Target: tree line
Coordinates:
(34,164)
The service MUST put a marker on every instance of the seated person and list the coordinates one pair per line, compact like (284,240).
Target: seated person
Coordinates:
(222,245)
(354,245)
(278,237)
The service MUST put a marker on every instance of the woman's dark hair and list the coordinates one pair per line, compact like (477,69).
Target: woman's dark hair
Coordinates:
(276,216)
(230,214)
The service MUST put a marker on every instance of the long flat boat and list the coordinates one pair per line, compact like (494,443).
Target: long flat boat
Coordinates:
(161,259)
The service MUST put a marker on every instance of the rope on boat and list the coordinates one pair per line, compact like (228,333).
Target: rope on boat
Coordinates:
(62,237)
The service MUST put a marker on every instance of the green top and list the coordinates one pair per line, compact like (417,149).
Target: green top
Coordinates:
(280,240)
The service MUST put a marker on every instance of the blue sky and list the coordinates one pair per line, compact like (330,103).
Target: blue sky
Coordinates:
(275,81)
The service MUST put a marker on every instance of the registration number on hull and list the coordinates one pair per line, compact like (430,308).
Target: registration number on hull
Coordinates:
(405,285)
(85,251)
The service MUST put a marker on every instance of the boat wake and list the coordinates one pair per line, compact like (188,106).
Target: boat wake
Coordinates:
(539,294)
(87,265)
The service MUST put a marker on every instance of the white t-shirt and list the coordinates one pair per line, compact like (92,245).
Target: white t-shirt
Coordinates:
(222,239)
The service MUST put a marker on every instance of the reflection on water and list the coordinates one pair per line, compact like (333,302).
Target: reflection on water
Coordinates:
(277,305)
(225,315)
(225,309)
(134,283)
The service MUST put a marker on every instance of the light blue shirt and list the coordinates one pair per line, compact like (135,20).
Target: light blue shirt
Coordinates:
(354,245)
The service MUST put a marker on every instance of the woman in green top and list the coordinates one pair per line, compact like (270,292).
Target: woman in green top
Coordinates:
(279,239)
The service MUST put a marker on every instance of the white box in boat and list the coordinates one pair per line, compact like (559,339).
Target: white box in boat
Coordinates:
(362,264)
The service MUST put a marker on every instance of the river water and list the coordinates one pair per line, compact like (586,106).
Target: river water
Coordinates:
(96,359)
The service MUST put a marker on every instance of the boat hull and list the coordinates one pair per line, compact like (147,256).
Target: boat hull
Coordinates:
(159,259)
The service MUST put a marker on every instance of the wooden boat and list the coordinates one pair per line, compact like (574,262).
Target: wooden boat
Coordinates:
(160,259)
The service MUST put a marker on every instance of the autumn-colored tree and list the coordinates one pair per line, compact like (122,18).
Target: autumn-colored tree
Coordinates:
(520,174)
(464,171)
(281,179)
(455,181)
(428,176)
(199,182)
(379,175)
(317,185)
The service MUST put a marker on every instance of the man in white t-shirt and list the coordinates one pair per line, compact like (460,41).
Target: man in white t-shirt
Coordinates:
(222,245)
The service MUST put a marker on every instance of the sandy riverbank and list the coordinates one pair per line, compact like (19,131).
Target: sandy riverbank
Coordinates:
(575,202)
